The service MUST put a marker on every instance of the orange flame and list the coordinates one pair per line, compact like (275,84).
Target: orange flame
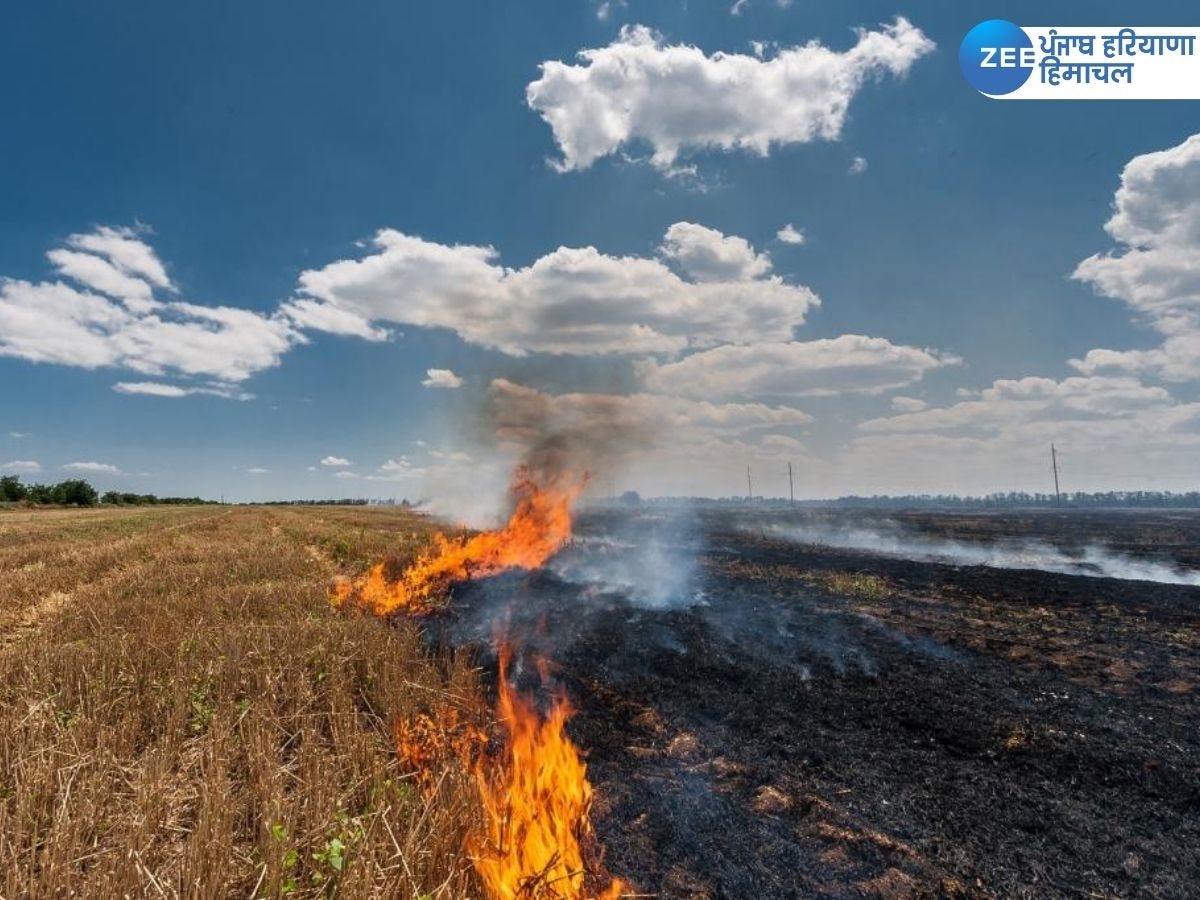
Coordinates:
(539,526)
(537,841)
(537,803)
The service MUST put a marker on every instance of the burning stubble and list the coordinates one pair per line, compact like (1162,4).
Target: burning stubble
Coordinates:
(539,525)
(537,839)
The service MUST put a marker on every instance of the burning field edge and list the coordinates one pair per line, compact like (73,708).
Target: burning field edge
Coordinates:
(683,708)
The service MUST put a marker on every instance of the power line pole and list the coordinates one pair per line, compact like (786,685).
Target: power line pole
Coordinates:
(1054,466)
(749,485)
(791,486)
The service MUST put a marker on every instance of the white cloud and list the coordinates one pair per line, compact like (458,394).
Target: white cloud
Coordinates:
(99,274)
(605,10)
(908,404)
(109,317)
(1156,223)
(307,313)
(521,410)
(851,363)
(398,469)
(21,465)
(676,98)
(738,6)
(1033,401)
(95,468)
(441,378)
(335,461)
(258,470)
(790,234)
(572,300)
(18,434)
(705,254)
(126,251)
(1112,433)
(858,165)
(162,389)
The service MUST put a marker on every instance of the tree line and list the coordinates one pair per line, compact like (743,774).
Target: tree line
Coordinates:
(77,492)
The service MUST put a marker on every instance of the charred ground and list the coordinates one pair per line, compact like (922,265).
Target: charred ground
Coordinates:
(798,720)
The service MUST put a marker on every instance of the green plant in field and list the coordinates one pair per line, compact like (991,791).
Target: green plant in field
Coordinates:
(331,859)
(202,708)
(288,883)
(332,855)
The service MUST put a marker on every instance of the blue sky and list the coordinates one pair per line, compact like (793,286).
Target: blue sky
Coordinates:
(246,144)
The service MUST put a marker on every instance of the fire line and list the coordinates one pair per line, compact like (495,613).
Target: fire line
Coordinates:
(537,841)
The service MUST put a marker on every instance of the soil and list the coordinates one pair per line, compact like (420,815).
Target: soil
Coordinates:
(796,720)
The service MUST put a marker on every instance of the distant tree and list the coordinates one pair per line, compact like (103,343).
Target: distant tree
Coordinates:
(39,493)
(110,497)
(11,488)
(631,498)
(74,492)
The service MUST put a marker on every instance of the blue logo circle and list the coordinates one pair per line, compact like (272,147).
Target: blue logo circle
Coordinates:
(996,57)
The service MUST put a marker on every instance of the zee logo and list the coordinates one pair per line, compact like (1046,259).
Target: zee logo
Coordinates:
(996,57)
(1007,58)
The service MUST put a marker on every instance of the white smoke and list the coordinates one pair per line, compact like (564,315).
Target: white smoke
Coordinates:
(650,560)
(1091,560)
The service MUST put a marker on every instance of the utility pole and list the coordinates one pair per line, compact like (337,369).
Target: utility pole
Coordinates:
(1054,466)
(749,485)
(791,486)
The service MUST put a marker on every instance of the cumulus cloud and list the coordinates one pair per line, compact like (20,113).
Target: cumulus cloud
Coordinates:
(21,465)
(258,470)
(706,254)
(851,363)
(573,300)
(790,234)
(441,378)
(677,98)
(858,165)
(105,314)
(1156,224)
(335,461)
(95,468)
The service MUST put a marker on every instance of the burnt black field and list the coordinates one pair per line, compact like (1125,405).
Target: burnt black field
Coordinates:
(767,717)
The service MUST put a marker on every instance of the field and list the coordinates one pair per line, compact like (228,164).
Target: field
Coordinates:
(182,713)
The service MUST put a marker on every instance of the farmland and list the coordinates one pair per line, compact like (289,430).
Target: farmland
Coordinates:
(184,713)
